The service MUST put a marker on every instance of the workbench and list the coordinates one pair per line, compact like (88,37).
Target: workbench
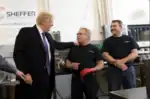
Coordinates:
(135,93)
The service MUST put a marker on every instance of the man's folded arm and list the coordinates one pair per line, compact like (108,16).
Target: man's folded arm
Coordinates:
(99,65)
(134,52)
(133,55)
(68,64)
(108,58)
(105,52)
(99,60)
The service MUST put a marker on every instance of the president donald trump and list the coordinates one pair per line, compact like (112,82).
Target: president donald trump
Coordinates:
(34,55)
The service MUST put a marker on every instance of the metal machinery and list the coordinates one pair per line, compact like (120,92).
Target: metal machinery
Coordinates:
(141,34)
(56,35)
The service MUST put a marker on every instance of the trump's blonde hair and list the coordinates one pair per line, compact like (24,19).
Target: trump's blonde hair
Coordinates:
(43,16)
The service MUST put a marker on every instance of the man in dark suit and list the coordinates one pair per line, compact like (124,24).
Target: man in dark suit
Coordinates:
(34,55)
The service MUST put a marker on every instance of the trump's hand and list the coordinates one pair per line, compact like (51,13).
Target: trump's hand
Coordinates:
(75,65)
(87,71)
(28,79)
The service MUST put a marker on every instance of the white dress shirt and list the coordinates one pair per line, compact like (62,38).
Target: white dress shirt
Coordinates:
(41,31)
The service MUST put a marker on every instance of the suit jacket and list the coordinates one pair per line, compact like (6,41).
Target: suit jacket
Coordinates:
(30,57)
(6,66)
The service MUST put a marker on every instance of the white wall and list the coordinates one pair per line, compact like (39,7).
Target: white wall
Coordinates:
(132,11)
(70,15)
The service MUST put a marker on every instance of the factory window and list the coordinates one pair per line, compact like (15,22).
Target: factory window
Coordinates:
(70,15)
(131,11)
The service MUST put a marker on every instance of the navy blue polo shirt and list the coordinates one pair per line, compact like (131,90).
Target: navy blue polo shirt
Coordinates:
(86,55)
(119,47)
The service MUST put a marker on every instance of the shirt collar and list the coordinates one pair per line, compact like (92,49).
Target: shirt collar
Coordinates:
(120,34)
(39,29)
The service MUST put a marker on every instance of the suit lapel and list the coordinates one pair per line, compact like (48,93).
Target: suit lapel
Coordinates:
(38,37)
(50,40)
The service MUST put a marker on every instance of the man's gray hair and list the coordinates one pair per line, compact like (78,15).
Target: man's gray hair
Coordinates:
(88,31)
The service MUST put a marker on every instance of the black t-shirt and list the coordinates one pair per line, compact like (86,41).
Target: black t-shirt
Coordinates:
(87,56)
(119,47)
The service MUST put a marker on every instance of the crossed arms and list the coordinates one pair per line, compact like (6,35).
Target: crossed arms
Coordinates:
(122,61)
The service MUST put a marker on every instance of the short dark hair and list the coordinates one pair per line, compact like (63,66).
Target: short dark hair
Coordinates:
(118,21)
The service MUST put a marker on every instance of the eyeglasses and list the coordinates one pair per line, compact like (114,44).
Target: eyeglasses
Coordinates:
(80,33)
